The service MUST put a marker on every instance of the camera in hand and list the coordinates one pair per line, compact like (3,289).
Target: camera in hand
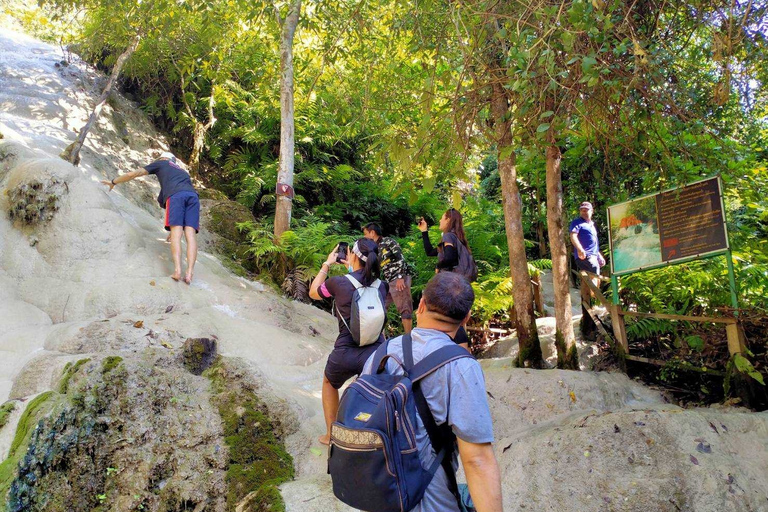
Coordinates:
(342,252)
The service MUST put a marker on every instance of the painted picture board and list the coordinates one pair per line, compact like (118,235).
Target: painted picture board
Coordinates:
(656,230)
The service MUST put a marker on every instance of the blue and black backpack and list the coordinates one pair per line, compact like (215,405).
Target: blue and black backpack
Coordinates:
(373,458)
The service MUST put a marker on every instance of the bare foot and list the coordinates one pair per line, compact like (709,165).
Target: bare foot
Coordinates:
(176,275)
(188,278)
(326,439)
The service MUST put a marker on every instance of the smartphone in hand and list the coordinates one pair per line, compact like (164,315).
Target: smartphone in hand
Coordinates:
(342,252)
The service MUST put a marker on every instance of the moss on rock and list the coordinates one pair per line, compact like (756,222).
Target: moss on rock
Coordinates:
(212,193)
(35,202)
(125,440)
(199,354)
(224,218)
(5,412)
(110,363)
(37,408)
(69,370)
(220,219)
(258,461)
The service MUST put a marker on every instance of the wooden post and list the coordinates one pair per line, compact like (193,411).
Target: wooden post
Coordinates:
(619,329)
(587,325)
(735,335)
(538,301)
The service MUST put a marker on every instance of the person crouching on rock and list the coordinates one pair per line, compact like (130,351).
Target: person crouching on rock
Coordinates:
(182,207)
(359,305)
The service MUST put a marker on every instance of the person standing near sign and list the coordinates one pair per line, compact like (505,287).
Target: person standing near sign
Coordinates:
(586,247)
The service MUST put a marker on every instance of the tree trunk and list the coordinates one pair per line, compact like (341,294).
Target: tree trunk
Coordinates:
(565,341)
(529,354)
(540,235)
(72,153)
(285,172)
(199,132)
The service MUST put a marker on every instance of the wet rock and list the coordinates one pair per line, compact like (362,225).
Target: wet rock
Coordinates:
(199,354)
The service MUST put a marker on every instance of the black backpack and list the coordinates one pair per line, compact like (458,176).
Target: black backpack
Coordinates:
(467,266)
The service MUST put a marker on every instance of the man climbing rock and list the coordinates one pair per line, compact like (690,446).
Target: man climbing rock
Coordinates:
(182,207)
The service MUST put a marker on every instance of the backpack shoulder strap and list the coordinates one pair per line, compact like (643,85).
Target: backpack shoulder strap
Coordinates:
(436,359)
(441,437)
(357,284)
(378,356)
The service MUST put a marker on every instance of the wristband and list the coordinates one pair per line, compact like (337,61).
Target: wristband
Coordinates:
(113,182)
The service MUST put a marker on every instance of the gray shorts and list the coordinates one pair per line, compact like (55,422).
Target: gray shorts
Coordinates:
(402,300)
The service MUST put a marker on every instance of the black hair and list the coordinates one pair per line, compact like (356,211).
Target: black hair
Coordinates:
(370,250)
(449,294)
(456,226)
(372,226)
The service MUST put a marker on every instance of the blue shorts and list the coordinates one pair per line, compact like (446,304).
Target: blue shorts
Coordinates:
(182,209)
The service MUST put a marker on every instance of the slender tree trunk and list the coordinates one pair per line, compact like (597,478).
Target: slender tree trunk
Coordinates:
(540,235)
(528,337)
(199,132)
(72,152)
(565,341)
(285,172)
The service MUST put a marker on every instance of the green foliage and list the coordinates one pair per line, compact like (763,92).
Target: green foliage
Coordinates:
(392,99)
(744,365)
(645,328)
(305,247)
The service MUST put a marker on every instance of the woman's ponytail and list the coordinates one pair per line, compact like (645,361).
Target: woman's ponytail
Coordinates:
(372,268)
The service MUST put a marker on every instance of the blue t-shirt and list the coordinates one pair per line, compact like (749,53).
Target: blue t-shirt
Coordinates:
(172,179)
(587,235)
(455,393)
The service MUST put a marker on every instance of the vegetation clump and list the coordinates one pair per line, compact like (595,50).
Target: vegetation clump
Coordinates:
(35,202)
(199,354)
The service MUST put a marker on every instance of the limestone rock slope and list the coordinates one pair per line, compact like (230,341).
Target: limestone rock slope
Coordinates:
(84,275)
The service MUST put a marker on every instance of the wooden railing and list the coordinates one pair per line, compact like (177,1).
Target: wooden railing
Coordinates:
(734,333)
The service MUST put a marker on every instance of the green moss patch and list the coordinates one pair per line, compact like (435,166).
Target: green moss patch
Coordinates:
(69,370)
(258,461)
(37,408)
(567,357)
(110,363)
(5,412)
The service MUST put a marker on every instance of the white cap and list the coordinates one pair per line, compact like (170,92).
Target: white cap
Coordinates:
(167,154)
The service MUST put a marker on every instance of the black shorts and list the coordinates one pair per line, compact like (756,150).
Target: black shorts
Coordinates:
(590,264)
(347,362)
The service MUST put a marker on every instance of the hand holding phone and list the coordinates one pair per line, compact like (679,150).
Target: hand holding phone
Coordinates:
(341,253)
(422,224)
